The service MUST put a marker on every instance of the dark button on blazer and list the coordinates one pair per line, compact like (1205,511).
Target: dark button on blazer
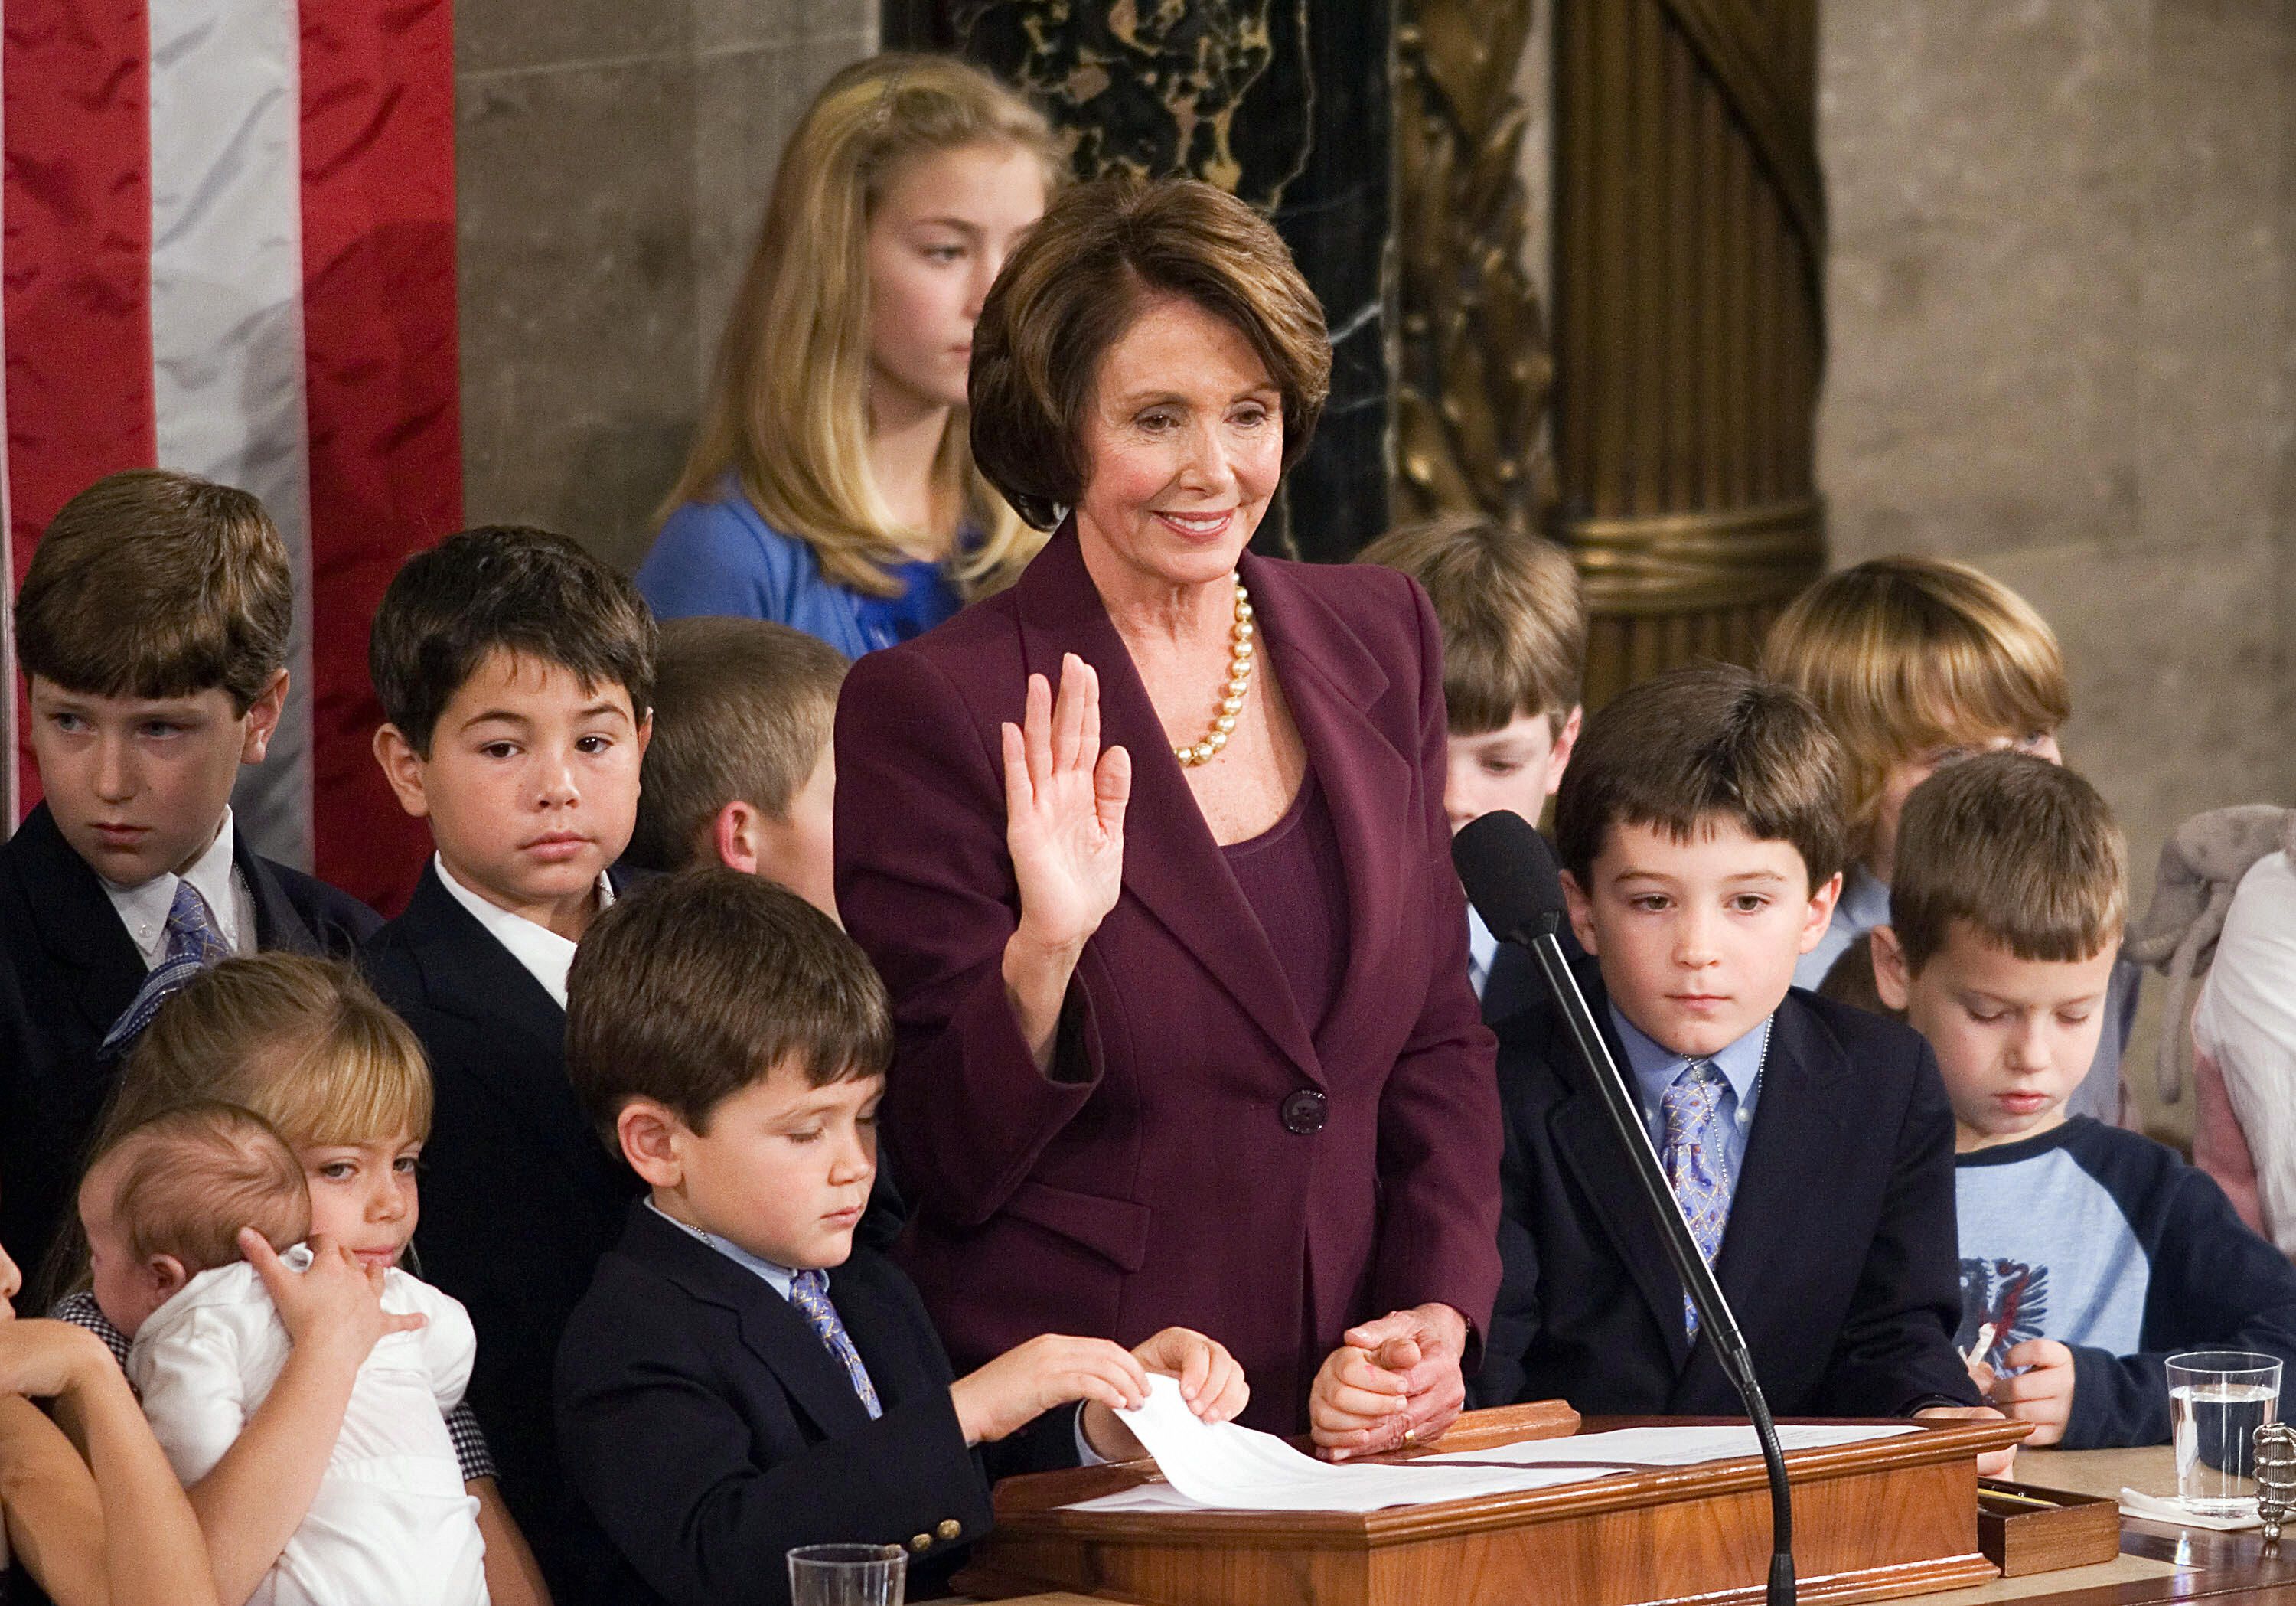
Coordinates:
(74,970)
(1168,1169)
(1839,1258)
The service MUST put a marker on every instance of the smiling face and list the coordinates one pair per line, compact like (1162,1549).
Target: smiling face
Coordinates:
(1184,444)
(2013,1037)
(362,1195)
(138,786)
(530,785)
(782,1171)
(1516,767)
(938,233)
(1698,939)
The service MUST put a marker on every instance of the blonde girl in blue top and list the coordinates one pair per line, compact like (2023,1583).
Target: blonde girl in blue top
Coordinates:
(831,485)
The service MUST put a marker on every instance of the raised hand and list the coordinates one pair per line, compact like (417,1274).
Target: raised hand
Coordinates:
(1064,802)
(1024,1382)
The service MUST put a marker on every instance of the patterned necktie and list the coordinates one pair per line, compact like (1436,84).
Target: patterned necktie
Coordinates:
(1694,1163)
(194,944)
(809,1292)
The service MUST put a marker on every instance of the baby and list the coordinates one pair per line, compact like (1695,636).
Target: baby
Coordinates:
(163,1207)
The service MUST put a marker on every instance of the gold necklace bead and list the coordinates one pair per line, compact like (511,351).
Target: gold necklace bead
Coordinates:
(1240,650)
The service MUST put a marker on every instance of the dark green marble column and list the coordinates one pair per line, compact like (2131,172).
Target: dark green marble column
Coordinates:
(1283,101)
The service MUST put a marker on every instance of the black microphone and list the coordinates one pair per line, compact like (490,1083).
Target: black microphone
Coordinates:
(1511,878)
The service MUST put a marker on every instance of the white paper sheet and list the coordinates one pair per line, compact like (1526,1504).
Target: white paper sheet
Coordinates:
(1229,1468)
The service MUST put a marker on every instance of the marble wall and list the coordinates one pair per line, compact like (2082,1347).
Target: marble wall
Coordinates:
(613,159)
(2063,347)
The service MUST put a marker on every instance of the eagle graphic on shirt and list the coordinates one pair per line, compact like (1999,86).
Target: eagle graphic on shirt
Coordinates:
(2009,1297)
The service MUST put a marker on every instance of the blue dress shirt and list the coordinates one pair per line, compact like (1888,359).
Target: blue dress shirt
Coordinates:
(1654,1068)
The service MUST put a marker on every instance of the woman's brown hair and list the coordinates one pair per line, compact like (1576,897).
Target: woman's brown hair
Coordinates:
(1075,285)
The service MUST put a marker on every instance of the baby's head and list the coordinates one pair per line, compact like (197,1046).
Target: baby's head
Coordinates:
(167,1199)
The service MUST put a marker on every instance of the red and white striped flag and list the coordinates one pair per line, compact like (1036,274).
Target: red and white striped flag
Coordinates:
(228,246)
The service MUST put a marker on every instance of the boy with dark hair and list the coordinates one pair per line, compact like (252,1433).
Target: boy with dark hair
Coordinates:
(153,626)
(2089,1254)
(1809,1144)
(1514,617)
(516,672)
(743,1377)
(740,771)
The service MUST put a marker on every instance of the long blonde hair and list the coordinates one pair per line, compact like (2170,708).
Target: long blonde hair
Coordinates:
(787,413)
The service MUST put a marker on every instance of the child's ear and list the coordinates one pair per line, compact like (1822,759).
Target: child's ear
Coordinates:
(263,719)
(1559,759)
(166,1275)
(1891,978)
(649,1132)
(735,839)
(645,731)
(1582,912)
(402,767)
(1821,912)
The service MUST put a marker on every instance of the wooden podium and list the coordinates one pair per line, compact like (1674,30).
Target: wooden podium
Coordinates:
(1889,1516)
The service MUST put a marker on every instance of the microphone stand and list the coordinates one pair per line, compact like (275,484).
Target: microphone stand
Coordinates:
(1717,1324)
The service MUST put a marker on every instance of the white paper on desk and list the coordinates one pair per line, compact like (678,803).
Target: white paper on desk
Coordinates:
(1229,1468)
(1686,1447)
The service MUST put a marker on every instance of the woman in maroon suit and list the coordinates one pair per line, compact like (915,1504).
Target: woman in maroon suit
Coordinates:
(1176,957)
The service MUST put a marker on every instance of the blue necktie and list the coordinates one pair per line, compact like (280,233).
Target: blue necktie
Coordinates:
(194,944)
(809,1292)
(1694,1163)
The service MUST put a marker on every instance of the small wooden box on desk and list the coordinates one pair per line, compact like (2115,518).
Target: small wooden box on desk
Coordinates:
(1890,1517)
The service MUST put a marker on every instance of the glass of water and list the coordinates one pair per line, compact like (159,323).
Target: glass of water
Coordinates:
(846,1575)
(2218,1398)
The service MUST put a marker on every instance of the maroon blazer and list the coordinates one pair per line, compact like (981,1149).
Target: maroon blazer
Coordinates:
(1198,1155)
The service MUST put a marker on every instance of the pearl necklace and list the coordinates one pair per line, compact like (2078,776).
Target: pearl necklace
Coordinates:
(1239,682)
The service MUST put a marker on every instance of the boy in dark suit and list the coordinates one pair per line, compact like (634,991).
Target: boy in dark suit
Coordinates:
(153,627)
(742,1378)
(1810,1144)
(516,672)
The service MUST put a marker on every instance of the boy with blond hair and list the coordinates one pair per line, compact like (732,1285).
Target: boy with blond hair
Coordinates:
(1513,617)
(152,626)
(2087,1254)
(740,771)
(1809,1143)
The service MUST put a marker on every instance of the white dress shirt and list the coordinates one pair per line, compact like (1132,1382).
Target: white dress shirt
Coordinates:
(391,1521)
(546,956)
(143,910)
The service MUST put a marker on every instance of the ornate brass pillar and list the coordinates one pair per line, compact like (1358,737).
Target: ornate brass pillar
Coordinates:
(1690,245)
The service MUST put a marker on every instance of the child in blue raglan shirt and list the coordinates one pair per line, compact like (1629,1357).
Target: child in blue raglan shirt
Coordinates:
(2089,1254)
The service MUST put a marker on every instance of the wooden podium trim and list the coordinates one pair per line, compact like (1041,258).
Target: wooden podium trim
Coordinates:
(1887,1518)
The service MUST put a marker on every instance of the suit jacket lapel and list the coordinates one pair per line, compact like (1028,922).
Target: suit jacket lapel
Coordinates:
(277,926)
(1330,680)
(1801,1112)
(771,1327)
(467,974)
(78,923)
(1589,1146)
(1171,864)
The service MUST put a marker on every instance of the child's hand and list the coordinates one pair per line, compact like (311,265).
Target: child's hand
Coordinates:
(1024,1382)
(43,1359)
(1211,1382)
(2043,1393)
(336,1302)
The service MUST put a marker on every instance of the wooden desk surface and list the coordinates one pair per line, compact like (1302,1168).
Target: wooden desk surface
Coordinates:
(2160,1564)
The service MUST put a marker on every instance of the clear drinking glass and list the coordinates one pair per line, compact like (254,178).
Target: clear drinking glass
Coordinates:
(2218,1398)
(846,1575)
